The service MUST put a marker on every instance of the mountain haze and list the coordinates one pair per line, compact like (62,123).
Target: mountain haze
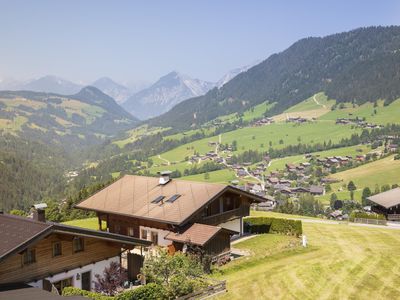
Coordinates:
(115,90)
(168,91)
(51,84)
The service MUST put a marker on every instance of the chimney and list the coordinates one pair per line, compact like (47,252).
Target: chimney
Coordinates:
(165,177)
(39,212)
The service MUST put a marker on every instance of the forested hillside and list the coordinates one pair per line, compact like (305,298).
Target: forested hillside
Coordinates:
(356,66)
(71,122)
(29,172)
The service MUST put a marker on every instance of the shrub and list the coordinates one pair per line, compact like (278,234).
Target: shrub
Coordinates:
(73,291)
(365,215)
(148,291)
(274,225)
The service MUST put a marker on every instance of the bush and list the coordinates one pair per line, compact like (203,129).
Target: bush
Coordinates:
(148,291)
(73,291)
(273,225)
(365,215)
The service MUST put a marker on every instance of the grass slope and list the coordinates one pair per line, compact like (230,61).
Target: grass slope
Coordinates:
(380,172)
(384,114)
(341,262)
(256,137)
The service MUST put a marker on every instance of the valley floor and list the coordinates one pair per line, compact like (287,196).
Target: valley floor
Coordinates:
(341,262)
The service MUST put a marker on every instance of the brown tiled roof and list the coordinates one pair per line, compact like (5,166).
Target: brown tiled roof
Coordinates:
(20,291)
(18,233)
(133,195)
(387,199)
(15,231)
(197,234)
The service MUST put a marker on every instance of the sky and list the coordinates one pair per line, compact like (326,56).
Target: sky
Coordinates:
(139,41)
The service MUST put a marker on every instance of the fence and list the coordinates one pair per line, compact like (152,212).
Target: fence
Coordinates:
(370,221)
(211,290)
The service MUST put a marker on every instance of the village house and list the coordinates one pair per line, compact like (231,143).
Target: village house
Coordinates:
(51,256)
(160,209)
(317,190)
(387,203)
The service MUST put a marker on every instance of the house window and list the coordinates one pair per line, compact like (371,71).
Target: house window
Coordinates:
(57,250)
(29,257)
(130,231)
(78,244)
(154,237)
(60,285)
(144,234)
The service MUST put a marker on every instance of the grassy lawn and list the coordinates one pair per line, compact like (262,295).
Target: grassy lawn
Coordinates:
(255,213)
(90,223)
(260,137)
(383,171)
(384,114)
(341,262)
(220,176)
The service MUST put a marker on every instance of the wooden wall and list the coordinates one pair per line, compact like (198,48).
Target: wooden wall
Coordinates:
(12,270)
(120,224)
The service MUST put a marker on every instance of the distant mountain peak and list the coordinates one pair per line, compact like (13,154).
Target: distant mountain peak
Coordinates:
(168,91)
(115,90)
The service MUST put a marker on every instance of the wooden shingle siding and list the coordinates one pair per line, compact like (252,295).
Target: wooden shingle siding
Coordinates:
(12,269)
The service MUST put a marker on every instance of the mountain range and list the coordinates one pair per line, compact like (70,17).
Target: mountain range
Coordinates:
(168,91)
(357,66)
(144,103)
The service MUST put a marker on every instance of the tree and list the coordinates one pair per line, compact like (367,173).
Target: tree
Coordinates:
(178,273)
(338,204)
(334,198)
(385,188)
(18,212)
(112,280)
(351,186)
(365,194)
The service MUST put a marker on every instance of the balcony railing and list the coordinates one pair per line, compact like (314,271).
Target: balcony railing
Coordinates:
(393,217)
(225,216)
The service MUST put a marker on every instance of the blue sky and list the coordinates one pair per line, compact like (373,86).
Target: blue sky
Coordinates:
(143,40)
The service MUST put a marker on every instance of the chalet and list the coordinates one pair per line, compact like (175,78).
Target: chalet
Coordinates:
(300,189)
(241,173)
(273,180)
(317,190)
(360,157)
(154,209)
(52,256)
(285,182)
(393,147)
(387,203)
(282,189)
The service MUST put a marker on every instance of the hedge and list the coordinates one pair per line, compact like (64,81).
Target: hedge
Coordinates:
(273,225)
(144,292)
(73,291)
(365,215)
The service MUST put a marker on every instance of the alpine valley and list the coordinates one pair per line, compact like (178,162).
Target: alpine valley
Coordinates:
(323,96)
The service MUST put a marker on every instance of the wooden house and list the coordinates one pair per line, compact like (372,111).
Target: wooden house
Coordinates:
(387,203)
(154,209)
(52,256)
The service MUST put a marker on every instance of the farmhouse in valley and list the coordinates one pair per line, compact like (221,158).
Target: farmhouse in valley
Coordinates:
(173,213)
(51,256)
(387,203)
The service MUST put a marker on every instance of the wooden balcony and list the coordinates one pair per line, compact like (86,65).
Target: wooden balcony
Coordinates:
(226,215)
(393,217)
